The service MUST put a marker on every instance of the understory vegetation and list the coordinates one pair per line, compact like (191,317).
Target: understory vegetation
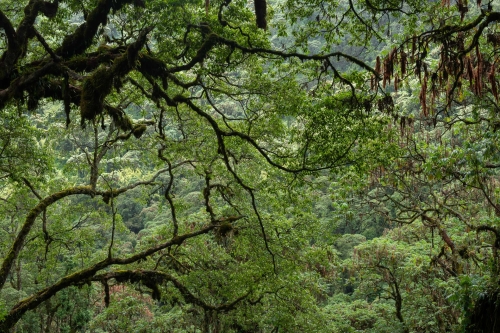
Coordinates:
(249,166)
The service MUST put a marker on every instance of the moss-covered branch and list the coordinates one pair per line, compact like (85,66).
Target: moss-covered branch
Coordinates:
(86,275)
(301,56)
(152,279)
(82,38)
(17,40)
(16,247)
(98,85)
(13,252)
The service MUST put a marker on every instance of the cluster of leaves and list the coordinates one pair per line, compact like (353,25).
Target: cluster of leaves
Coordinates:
(200,189)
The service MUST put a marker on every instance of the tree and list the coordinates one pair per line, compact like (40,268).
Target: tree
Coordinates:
(446,175)
(174,95)
(207,99)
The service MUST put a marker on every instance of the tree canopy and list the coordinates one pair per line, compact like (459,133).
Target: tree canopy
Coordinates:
(226,166)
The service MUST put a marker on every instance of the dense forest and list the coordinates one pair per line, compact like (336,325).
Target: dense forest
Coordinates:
(249,166)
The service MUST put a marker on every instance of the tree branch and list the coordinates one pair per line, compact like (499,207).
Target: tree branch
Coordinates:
(82,38)
(87,274)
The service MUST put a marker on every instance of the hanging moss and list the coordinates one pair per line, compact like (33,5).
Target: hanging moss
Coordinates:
(151,65)
(149,281)
(100,84)
(485,314)
(95,88)
(35,93)
(224,229)
(118,84)
(124,123)
(120,119)
(32,103)
(139,130)
(49,9)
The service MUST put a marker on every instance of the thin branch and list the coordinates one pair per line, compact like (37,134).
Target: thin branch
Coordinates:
(83,275)
(147,276)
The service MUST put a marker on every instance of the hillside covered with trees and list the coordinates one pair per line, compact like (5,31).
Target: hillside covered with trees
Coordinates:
(249,166)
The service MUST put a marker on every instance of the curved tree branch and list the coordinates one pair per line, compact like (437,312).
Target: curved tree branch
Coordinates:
(87,274)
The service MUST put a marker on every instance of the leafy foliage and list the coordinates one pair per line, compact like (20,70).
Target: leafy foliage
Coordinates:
(167,166)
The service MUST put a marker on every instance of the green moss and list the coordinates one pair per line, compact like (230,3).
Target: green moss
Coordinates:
(139,130)
(224,229)
(120,119)
(95,88)
(152,66)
